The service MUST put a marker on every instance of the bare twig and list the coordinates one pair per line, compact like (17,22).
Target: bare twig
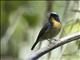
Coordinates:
(49,5)
(37,54)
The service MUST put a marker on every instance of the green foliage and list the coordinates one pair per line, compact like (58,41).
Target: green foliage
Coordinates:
(32,19)
(72,27)
(10,6)
(4,22)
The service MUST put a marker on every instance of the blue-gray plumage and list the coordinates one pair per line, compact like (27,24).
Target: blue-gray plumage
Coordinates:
(50,29)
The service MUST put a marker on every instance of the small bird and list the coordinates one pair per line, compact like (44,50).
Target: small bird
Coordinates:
(50,29)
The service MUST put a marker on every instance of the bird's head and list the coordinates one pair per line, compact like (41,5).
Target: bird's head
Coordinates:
(54,16)
(55,20)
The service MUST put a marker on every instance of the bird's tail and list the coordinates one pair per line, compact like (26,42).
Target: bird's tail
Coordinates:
(34,44)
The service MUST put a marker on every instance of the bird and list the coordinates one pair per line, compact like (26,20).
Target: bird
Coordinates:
(50,29)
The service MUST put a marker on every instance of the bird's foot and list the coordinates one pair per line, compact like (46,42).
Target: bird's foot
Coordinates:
(50,41)
(55,39)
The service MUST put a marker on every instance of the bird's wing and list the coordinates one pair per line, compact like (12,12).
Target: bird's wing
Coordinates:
(43,30)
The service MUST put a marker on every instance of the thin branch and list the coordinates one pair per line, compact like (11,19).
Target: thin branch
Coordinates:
(64,40)
(49,6)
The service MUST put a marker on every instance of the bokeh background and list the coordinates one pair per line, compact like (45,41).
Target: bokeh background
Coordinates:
(21,22)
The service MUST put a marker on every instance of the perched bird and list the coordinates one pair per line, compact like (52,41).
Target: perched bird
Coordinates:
(50,29)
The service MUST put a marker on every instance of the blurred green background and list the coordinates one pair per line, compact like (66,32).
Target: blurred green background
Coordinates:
(21,22)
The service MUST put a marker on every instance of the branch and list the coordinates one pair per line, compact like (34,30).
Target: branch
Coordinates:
(37,54)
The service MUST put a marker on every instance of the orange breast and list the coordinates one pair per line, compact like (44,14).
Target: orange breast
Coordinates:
(56,24)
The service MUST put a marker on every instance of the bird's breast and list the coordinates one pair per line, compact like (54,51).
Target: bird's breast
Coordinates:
(50,33)
(56,24)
